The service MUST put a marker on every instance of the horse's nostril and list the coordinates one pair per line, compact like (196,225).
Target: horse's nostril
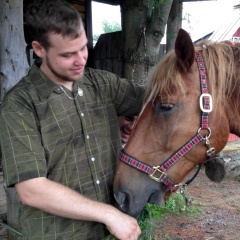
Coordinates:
(156,198)
(123,200)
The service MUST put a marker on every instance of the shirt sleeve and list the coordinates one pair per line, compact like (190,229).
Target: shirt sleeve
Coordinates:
(127,96)
(22,151)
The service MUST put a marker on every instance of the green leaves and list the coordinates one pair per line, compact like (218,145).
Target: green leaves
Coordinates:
(107,27)
(148,218)
(155,6)
(152,214)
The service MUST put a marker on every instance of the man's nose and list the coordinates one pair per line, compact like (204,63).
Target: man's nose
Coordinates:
(80,59)
(131,125)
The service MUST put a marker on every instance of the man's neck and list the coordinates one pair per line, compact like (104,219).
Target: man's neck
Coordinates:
(55,79)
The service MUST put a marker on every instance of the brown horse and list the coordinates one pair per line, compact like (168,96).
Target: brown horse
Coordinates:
(191,106)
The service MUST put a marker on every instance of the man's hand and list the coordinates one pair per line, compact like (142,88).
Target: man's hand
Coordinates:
(122,226)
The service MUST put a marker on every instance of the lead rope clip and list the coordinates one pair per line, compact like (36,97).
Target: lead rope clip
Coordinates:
(188,200)
(211,150)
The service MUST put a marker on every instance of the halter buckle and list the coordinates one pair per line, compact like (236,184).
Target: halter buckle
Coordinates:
(157,179)
(211,150)
(201,100)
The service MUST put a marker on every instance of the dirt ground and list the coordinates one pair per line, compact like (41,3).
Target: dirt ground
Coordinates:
(219,218)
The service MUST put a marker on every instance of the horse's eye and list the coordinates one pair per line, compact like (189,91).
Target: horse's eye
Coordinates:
(165,107)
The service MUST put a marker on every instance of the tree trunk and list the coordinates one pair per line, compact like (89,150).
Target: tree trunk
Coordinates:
(174,24)
(12,44)
(223,167)
(143,26)
(13,66)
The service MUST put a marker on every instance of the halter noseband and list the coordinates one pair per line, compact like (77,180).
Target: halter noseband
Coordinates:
(158,173)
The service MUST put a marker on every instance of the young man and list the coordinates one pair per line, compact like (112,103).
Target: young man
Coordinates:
(126,124)
(59,134)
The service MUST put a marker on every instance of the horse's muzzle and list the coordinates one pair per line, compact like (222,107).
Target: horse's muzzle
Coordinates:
(134,204)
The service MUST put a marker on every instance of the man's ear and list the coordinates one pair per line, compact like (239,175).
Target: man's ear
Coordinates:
(38,49)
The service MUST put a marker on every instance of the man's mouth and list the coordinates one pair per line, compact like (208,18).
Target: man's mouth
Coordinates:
(125,131)
(78,70)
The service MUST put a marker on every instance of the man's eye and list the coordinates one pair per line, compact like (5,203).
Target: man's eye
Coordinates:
(84,48)
(67,55)
(129,118)
(165,107)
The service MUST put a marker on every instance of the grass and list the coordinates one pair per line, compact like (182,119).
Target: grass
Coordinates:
(147,220)
(177,204)
(152,214)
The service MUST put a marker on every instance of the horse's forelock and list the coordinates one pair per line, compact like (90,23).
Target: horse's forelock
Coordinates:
(220,67)
(165,77)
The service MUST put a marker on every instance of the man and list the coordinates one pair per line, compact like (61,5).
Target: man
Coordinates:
(126,124)
(59,134)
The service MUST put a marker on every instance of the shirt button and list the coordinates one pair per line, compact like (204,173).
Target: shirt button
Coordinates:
(93,159)
(98,182)
(82,114)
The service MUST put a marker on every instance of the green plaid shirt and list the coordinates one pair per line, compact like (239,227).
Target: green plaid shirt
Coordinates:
(74,142)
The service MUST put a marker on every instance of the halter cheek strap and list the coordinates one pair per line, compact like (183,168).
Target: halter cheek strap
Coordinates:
(158,173)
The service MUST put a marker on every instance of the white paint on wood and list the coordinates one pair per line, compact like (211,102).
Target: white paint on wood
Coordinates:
(12,44)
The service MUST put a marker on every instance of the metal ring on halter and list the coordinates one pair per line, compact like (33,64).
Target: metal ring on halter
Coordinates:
(207,137)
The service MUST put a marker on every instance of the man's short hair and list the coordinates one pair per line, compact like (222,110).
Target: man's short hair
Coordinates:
(52,16)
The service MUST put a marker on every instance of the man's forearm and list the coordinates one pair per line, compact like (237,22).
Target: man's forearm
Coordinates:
(59,200)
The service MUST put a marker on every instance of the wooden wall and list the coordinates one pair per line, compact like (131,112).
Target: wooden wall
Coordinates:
(108,53)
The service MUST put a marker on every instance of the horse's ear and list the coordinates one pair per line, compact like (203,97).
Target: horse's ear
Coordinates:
(184,50)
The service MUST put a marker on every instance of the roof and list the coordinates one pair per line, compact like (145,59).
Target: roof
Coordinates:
(111,2)
(203,38)
(227,29)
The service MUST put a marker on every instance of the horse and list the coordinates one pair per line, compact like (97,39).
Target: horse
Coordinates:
(191,105)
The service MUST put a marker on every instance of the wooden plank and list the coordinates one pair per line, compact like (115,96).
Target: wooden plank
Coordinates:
(111,2)
(195,0)
(13,66)
(88,26)
(226,165)
(80,8)
(80,2)
(83,15)
(3,202)
(223,167)
(109,46)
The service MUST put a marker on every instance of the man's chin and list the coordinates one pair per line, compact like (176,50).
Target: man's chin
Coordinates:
(124,140)
(75,77)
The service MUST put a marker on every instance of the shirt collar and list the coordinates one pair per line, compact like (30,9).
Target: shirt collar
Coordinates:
(43,85)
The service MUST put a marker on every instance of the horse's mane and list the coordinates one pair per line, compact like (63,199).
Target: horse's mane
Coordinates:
(219,59)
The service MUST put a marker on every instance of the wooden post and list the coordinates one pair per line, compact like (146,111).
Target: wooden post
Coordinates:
(89,33)
(174,24)
(12,44)
(12,68)
(223,167)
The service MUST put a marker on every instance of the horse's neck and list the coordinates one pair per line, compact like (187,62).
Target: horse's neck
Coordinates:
(233,108)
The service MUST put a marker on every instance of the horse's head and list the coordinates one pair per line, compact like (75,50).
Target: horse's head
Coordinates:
(171,117)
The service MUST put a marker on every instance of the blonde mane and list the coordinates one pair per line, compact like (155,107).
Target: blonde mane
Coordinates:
(220,63)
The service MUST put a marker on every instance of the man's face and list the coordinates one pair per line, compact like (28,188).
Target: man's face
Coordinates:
(66,58)
(126,125)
